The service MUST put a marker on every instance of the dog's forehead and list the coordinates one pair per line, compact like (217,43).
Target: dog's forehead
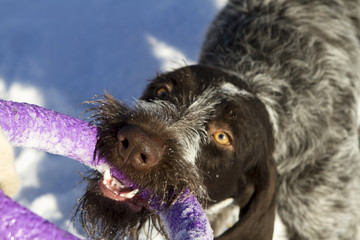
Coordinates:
(195,98)
(196,80)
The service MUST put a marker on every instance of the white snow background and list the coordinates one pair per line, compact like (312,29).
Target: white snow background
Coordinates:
(58,54)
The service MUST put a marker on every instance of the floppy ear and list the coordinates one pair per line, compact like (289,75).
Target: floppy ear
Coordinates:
(257,216)
(9,179)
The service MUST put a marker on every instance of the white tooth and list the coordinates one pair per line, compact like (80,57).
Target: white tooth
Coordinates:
(130,194)
(107,174)
(113,183)
(118,184)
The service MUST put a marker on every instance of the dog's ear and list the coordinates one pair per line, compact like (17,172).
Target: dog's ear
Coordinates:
(257,215)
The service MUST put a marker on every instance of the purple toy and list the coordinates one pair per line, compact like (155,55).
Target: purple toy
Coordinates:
(17,222)
(27,125)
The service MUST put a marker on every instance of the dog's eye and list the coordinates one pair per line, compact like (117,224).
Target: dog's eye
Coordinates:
(162,92)
(222,138)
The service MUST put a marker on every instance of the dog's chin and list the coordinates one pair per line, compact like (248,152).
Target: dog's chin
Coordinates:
(105,212)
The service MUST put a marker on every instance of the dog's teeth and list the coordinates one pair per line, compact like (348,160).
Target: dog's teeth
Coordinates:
(135,192)
(130,194)
(108,187)
(107,175)
(116,184)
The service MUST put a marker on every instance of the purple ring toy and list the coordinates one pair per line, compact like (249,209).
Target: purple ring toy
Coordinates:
(27,125)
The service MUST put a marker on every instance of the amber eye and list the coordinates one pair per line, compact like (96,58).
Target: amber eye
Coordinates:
(162,93)
(222,138)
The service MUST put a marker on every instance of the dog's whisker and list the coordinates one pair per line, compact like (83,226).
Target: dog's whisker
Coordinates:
(277,79)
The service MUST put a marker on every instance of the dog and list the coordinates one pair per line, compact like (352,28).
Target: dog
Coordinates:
(264,126)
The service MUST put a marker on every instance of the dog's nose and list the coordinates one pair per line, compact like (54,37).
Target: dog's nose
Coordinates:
(137,148)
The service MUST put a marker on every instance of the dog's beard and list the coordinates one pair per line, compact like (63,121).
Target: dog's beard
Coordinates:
(167,180)
(105,218)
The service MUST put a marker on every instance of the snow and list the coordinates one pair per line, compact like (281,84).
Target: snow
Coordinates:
(20,92)
(58,54)
(169,57)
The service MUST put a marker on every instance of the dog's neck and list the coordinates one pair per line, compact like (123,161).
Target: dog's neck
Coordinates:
(257,214)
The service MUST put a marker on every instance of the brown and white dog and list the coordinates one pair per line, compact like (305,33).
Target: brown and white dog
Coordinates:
(267,120)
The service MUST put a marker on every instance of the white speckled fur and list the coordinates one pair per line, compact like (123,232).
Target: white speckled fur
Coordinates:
(302,60)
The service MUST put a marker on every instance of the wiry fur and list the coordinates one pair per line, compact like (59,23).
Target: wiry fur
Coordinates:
(282,78)
(302,59)
(204,99)
(93,204)
(110,116)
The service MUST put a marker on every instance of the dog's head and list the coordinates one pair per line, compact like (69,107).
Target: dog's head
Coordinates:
(196,128)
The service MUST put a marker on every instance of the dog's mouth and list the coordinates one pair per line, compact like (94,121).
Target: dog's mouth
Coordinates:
(117,191)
